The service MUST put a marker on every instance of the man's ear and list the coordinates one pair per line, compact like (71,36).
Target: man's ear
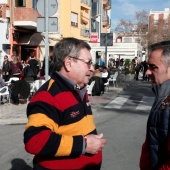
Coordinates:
(67,63)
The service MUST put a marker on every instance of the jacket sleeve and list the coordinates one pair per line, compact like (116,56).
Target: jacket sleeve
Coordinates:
(144,159)
(166,166)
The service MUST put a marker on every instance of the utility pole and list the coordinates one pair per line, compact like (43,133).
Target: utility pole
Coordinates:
(46,42)
(47,8)
(106,49)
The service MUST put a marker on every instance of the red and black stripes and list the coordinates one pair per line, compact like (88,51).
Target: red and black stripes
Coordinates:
(57,120)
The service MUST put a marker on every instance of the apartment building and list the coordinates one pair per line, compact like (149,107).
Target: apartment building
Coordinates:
(159,26)
(100,23)
(18,20)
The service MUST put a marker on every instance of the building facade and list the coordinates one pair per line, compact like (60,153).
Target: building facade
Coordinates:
(159,26)
(100,23)
(18,20)
(83,19)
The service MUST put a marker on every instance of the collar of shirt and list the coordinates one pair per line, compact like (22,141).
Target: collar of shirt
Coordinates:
(74,86)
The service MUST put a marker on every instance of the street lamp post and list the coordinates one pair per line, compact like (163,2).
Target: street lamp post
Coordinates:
(106,49)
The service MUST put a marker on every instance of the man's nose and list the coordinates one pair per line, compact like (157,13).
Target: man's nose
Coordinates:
(148,72)
(92,67)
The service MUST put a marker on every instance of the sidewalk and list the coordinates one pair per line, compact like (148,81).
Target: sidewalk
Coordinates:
(16,114)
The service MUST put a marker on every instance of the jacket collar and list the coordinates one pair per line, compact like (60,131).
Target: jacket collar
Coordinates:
(161,91)
(67,84)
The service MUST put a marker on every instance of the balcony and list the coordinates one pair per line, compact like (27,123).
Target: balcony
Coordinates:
(85,32)
(105,21)
(25,17)
(86,2)
(85,17)
(107,4)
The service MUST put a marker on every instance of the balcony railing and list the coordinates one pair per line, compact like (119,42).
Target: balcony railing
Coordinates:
(105,20)
(84,17)
(85,32)
(25,14)
(87,2)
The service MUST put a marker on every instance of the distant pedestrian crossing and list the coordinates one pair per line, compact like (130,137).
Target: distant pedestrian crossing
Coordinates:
(142,103)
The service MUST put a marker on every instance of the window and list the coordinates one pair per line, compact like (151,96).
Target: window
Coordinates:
(155,19)
(127,40)
(34,4)
(74,19)
(155,22)
(20,3)
(137,40)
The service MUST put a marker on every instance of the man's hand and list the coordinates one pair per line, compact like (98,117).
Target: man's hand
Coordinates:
(95,143)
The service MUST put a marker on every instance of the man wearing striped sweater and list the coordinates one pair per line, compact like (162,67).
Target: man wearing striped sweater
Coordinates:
(60,131)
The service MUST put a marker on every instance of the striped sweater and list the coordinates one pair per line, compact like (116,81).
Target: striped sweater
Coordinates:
(58,117)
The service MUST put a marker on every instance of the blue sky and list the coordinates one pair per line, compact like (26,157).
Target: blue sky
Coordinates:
(125,9)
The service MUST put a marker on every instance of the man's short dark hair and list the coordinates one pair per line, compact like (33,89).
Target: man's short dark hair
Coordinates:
(165,46)
(67,47)
(158,45)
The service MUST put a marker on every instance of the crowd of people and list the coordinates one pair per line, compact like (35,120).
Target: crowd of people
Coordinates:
(25,71)
(100,75)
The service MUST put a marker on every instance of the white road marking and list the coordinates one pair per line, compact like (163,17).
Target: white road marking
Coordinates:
(145,103)
(117,102)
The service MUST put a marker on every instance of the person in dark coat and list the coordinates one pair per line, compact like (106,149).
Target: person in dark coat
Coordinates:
(145,67)
(98,87)
(156,147)
(34,66)
(20,87)
(6,69)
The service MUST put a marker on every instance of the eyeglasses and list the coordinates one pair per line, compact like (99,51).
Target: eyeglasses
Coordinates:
(5,58)
(152,66)
(88,62)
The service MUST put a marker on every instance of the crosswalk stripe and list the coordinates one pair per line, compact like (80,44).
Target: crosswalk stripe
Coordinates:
(117,102)
(145,103)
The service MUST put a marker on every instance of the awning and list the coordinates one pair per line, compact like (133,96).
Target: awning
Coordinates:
(32,39)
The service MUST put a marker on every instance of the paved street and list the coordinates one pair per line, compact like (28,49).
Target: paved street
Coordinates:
(121,115)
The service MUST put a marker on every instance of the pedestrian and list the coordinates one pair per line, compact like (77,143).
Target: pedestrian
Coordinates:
(2,84)
(6,68)
(156,148)
(98,87)
(15,67)
(33,63)
(145,67)
(61,132)
(137,68)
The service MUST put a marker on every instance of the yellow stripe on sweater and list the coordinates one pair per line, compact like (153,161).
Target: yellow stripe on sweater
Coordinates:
(39,119)
(82,127)
(65,146)
(50,84)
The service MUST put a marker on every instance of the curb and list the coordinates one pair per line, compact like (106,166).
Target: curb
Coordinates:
(14,121)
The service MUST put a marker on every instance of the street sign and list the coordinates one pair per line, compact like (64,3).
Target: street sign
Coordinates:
(52,6)
(93,37)
(106,39)
(52,24)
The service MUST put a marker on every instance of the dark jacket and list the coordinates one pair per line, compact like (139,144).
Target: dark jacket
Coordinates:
(34,65)
(28,72)
(156,144)
(6,67)
(21,87)
(98,87)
